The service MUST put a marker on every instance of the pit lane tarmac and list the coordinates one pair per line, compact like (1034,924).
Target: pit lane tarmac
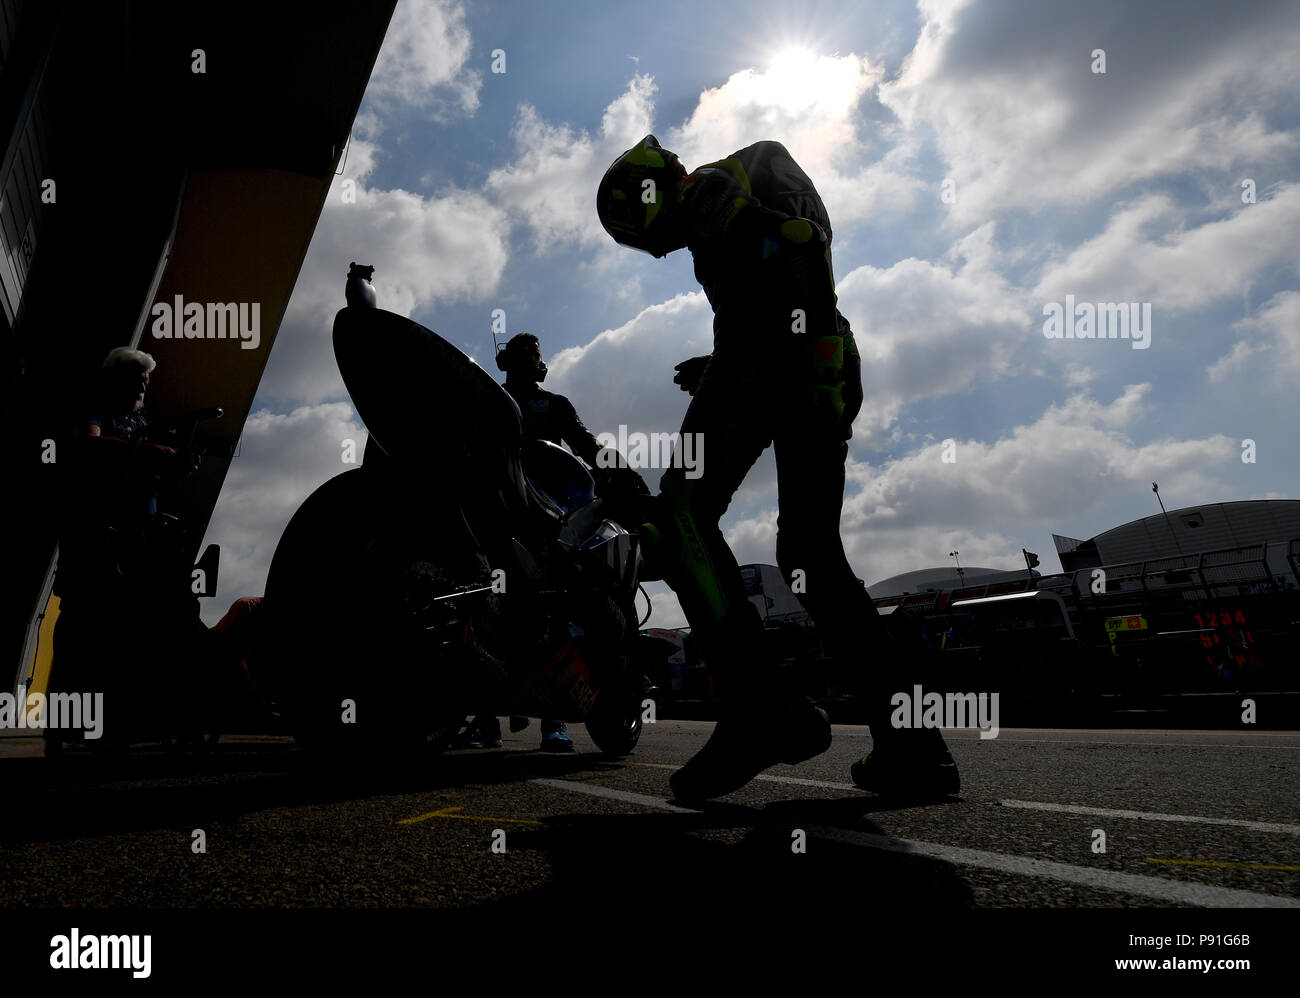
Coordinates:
(1045,819)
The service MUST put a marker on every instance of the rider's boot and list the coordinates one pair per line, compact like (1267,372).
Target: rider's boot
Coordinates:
(905,763)
(760,724)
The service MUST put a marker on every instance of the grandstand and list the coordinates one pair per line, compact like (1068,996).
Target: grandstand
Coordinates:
(1202,600)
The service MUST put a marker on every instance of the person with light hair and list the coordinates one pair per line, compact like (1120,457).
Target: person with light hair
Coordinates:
(117,418)
(112,460)
(120,357)
(109,495)
(123,381)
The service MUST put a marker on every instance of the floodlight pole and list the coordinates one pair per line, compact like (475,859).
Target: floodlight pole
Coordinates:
(961,574)
(1156,489)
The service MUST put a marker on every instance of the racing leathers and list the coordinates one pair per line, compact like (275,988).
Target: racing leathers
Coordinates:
(784,371)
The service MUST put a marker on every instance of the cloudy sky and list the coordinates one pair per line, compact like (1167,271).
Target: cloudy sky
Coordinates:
(977,167)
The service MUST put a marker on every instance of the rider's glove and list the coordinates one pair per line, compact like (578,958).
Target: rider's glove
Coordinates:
(689,373)
(835,378)
(628,479)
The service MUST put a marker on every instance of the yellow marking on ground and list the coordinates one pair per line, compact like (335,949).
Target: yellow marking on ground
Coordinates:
(1211,862)
(447,812)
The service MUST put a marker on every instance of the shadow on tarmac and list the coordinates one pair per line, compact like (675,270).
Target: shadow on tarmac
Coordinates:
(610,863)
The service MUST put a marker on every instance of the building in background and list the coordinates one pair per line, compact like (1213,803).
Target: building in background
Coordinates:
(1270,525)
(154,150)
(943,579)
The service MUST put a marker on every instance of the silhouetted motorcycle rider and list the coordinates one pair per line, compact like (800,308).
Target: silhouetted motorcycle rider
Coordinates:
(784,371)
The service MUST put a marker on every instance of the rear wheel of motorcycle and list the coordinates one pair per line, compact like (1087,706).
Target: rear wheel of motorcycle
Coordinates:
(351,674)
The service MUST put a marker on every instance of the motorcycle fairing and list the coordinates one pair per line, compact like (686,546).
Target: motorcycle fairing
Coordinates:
(394,367)
(428,406)
(618,552)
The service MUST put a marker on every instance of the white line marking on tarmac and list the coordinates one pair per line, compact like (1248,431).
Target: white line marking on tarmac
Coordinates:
(1153,732)
(609,793)
(1178,891)
(797,781)
(1102,812)
(1158,739)
(1091,741)
(1181,892)
(1006,736)
(1106,812)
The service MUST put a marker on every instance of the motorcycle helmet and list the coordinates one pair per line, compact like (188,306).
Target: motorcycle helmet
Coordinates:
(628,210)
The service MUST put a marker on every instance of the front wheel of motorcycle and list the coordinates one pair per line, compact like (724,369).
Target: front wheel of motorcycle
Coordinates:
(616,720)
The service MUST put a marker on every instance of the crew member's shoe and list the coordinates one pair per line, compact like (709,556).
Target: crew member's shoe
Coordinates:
(748,742)
(518,722)
(908,765)
(555,737)
(484,732)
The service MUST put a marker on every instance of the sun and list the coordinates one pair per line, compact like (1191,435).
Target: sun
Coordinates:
(791,58)
(792,80)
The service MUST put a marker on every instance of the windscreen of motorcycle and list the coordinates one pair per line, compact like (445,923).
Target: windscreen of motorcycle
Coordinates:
(559,476)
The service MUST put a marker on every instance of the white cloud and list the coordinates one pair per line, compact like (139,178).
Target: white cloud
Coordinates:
(930,329)
(1075,456)
(551,185)
(282,459)
(1077,376)
(1177,269)
(666,609)
(1273,333)
(1078,460)
(1023,121)
(625,375)
(422,62)
(811,104)
(451,247)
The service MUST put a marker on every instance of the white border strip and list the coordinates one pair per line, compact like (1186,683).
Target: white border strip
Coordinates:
(1106,812)
(609,793)
(797,781)
(1160,888)
(1031,805)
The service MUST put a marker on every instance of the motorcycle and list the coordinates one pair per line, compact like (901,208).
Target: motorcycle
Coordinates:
(459,569)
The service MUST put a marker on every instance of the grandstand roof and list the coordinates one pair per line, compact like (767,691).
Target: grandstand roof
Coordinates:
(1185,531)
(940,579)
